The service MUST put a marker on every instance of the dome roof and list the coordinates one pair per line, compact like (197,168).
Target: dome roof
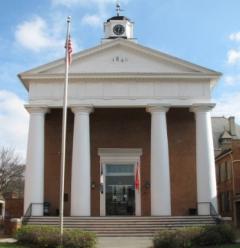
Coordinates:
(117,18)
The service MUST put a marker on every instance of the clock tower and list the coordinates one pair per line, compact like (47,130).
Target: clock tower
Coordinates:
(118,27)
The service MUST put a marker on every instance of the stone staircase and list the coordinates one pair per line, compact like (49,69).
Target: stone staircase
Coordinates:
(123,226)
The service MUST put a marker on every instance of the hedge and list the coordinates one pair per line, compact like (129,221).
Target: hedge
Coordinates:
(49,237)
(195,237)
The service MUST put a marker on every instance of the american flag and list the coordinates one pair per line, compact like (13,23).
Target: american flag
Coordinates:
(68,46)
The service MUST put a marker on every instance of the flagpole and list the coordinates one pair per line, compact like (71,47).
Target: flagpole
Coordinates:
(64,126)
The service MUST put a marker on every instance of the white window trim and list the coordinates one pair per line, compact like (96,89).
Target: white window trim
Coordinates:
(119,156)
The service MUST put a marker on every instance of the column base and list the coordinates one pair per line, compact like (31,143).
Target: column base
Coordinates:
(37,210)
(204,208)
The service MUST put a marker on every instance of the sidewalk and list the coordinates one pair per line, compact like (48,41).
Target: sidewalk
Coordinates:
(7,240)
(111,242)
(124,242)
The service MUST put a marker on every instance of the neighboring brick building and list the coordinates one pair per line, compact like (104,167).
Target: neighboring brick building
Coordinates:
(135,114)
(13,205)
(227,150)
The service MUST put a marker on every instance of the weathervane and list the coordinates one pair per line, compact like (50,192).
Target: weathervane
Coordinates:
(118,7)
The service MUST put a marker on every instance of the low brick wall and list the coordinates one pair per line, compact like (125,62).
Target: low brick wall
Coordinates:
(12,225)
(13,213)
(13,208)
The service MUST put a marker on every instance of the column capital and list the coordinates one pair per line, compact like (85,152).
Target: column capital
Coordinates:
(37,109)
(87,109)
(158,108)
(204,107)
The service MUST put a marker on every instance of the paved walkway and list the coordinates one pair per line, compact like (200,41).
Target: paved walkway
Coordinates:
(124,242)
(111,242)
(7,240)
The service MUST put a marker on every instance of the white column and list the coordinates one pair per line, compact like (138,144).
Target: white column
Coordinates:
(206,175)
(160,175)
(34,174)
(81,178)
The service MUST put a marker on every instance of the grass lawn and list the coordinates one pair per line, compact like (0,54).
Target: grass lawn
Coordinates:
(225,246)
(11,246)
(19,246)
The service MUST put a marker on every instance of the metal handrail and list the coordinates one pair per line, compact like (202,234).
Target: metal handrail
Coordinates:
(27,214)
(29,211)
(215,215)
(212,212)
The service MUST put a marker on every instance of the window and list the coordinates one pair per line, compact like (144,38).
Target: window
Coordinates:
(223,172)
(120,169)
(229,170)
(225,201)
(226,170)
(219,202)
(218,173)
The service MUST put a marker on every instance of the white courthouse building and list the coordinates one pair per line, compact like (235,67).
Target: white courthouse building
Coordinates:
(129,107)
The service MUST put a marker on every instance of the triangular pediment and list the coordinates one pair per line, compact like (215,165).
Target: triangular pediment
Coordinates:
(121,56)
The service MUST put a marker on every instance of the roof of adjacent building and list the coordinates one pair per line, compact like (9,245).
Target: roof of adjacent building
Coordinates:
(221,129)
(226,135)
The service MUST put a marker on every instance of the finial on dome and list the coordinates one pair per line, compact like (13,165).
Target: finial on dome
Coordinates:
(118,7)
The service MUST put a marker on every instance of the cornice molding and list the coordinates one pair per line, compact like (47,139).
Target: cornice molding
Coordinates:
(202,107)
(142,76)
(158,108)
(40,72)
(37,109)
(82,109)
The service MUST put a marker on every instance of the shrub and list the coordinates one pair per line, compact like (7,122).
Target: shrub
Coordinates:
(216,235)
(179,238)
(228,233)
(165,239)
(47,236)
(39,236)
(195,237)
(74,238)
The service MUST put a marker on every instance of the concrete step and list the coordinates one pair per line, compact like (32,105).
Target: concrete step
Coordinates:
(121,225)
(123,218)
(124,226)
(121,222)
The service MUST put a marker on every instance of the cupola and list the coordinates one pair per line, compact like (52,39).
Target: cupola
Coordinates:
(118,27)
(225,140)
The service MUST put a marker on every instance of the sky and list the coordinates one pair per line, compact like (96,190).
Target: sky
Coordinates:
(205,32)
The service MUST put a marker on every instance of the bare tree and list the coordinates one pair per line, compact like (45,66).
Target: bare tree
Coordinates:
(11,172)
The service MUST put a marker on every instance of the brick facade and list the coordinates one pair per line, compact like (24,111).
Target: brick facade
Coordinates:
(182,149)
(228,181)
(125,128)
(53,129)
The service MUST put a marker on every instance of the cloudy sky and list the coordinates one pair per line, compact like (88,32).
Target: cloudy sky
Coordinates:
(206,32)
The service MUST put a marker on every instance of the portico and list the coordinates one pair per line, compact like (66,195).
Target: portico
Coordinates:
(81,181)
(130,107)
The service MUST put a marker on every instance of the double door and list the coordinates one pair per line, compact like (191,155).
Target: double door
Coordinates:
(120,189)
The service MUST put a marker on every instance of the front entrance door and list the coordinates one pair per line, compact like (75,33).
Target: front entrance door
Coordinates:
(120,189)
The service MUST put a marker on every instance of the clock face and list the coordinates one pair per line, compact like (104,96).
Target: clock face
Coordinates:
(118,29)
